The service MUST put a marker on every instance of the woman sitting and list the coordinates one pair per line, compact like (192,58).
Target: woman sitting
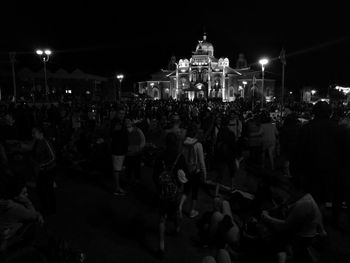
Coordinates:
(18,217)
(297,223)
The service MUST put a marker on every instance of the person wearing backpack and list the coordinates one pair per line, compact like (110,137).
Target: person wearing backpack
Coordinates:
(194,156)
(169,175)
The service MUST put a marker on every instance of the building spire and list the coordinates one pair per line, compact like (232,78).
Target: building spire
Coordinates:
(205,36)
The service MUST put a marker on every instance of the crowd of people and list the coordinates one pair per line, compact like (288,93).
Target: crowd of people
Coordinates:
(299,156)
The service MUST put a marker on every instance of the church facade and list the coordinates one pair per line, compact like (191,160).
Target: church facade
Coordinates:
(203,76)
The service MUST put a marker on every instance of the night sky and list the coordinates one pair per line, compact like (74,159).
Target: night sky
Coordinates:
(138,39)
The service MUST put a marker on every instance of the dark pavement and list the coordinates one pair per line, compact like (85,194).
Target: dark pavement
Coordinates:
(111,228)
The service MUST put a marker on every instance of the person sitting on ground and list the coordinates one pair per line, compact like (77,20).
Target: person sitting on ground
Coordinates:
(297,222)
(222,257)
(223,230)
(169,174)
(16,210)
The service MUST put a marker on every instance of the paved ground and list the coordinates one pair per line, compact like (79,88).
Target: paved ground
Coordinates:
(124,229)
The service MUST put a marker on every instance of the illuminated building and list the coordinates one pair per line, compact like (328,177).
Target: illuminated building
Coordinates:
(204,76)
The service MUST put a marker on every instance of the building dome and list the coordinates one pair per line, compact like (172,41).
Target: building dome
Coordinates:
(205,46)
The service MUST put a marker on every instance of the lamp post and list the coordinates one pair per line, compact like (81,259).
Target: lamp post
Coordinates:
(244,83)
(13,60)
(177,81)
(120,77)
(263,62)
(44,56)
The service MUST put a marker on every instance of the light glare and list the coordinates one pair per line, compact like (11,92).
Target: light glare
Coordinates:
(263,61)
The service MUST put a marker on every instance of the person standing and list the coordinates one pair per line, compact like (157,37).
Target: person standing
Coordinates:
(119,149)
(169,174)
(194,156)
(44,159)
(136,143)
(322,152)
(269,139)
(226,153)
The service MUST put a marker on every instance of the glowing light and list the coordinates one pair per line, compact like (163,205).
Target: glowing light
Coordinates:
(48,52)
(313,92)
(39,52)
(291,92)
(244,82)
(120,77)
(345,90)
(263,61)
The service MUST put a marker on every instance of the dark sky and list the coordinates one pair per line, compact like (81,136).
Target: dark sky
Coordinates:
(138,39)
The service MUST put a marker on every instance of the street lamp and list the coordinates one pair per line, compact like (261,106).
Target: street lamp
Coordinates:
(44,56)
(263,62)
(120,77)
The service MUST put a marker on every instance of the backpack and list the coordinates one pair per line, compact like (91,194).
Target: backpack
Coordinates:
(169,189)
(191,157)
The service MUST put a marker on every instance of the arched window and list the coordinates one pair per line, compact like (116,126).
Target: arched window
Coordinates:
(205,76)
(194,76)
(156,93)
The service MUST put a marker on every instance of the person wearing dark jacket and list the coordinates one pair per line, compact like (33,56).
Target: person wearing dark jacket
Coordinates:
(322,149)
(16,210)
(169,159)
(44,159)
(288,141)
(226,154)
(119,149)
